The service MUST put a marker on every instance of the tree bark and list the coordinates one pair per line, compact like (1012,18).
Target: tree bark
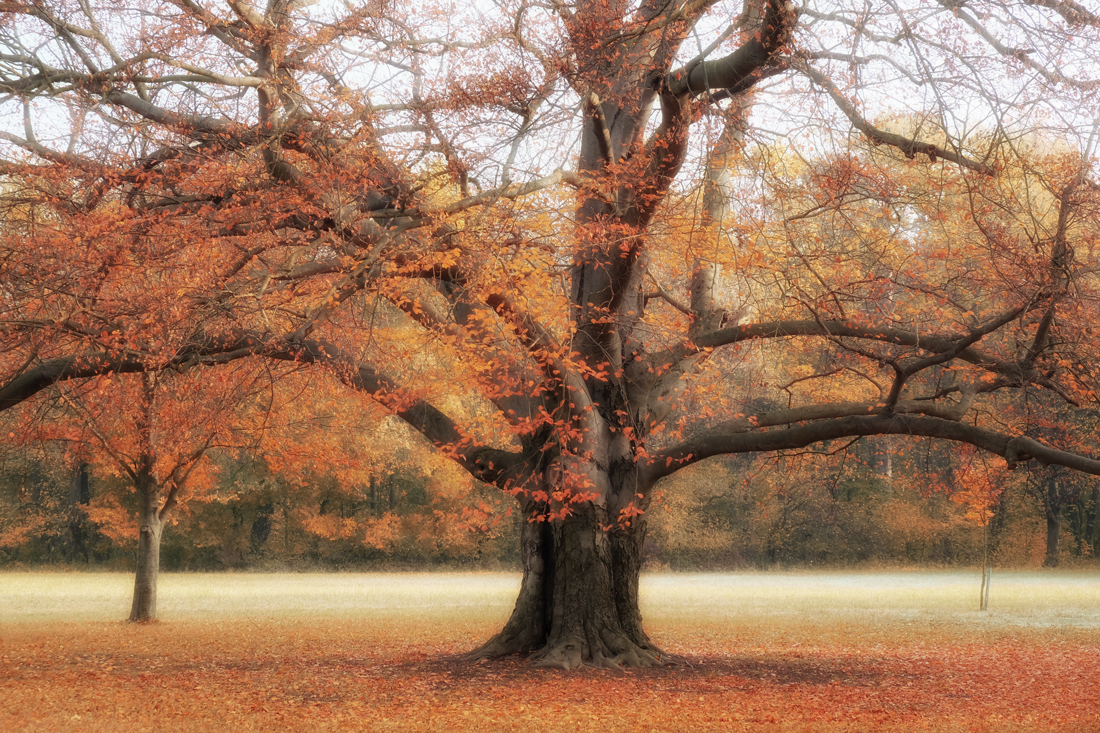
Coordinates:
(1054,528)
(528,626)
(150,529)
(1055,491)
(578,600)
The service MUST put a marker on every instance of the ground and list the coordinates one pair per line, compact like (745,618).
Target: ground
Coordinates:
(755,651)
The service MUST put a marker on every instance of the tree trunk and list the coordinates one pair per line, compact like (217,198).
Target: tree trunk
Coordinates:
(528,626)
(261,527)
(1092,526)
(1054,528)
(578,602)
(79,496)
(150,528)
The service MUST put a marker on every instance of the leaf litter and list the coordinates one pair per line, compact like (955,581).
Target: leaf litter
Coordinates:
(836,670)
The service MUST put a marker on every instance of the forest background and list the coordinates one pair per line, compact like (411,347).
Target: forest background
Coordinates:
(869,507)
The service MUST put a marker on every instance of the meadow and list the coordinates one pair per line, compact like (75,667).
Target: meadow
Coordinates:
(787,651)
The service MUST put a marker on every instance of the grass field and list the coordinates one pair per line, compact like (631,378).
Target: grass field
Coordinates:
(756,651)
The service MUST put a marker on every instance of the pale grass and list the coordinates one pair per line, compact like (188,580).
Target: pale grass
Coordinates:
(43,597)
(1069,599)
(792,651)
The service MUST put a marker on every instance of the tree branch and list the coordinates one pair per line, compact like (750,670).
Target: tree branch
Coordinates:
(1013,449)
(877,136)
(737,69)
(935,343)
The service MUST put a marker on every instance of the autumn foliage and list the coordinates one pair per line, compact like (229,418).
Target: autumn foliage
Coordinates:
(576,247)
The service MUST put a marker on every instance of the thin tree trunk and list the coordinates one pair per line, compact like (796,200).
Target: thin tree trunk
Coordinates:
(1092,526)
(1054,527)
(78,518)
(988,585)
(150,529)
(987,571)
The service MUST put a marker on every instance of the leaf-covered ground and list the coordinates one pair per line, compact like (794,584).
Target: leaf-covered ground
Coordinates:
(755,652)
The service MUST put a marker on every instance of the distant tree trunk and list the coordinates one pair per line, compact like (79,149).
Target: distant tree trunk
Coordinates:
(261,526)
(150,530)
(987,581)
(1055,491)
(1092,526)
(1082,521)
(1054,527)
(78,498)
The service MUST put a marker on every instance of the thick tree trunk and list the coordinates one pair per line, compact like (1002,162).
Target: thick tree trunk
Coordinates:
(578,602)
(150,528)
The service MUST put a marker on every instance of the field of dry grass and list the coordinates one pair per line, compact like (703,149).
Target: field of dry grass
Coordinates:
(756,651)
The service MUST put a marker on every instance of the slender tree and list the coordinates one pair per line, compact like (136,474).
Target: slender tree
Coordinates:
(155,430)
(365,187)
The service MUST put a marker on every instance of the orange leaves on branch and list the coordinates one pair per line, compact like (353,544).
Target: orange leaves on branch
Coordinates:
(980,485)
(628,513)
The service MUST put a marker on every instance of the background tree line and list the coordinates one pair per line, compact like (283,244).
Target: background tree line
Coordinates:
(884,502)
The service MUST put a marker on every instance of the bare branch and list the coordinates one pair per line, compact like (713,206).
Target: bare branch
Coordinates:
(877,136)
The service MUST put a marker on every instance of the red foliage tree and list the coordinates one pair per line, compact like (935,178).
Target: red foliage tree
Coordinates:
(155,430)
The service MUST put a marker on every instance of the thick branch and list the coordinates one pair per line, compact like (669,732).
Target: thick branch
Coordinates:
(83,366)
(718,442)
(942,357)
(603,134)
(1073,13)
(421,416)
(736,71)
(505,192)
(483,463)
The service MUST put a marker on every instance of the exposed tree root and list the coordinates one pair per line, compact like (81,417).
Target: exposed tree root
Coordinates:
(575,651)
(609,649)
(503,644)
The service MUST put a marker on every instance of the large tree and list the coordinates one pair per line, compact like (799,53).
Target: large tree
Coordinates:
(576,245)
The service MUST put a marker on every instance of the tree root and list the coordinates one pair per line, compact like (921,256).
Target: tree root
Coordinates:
(612,651)
(608,650)
(503,644)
